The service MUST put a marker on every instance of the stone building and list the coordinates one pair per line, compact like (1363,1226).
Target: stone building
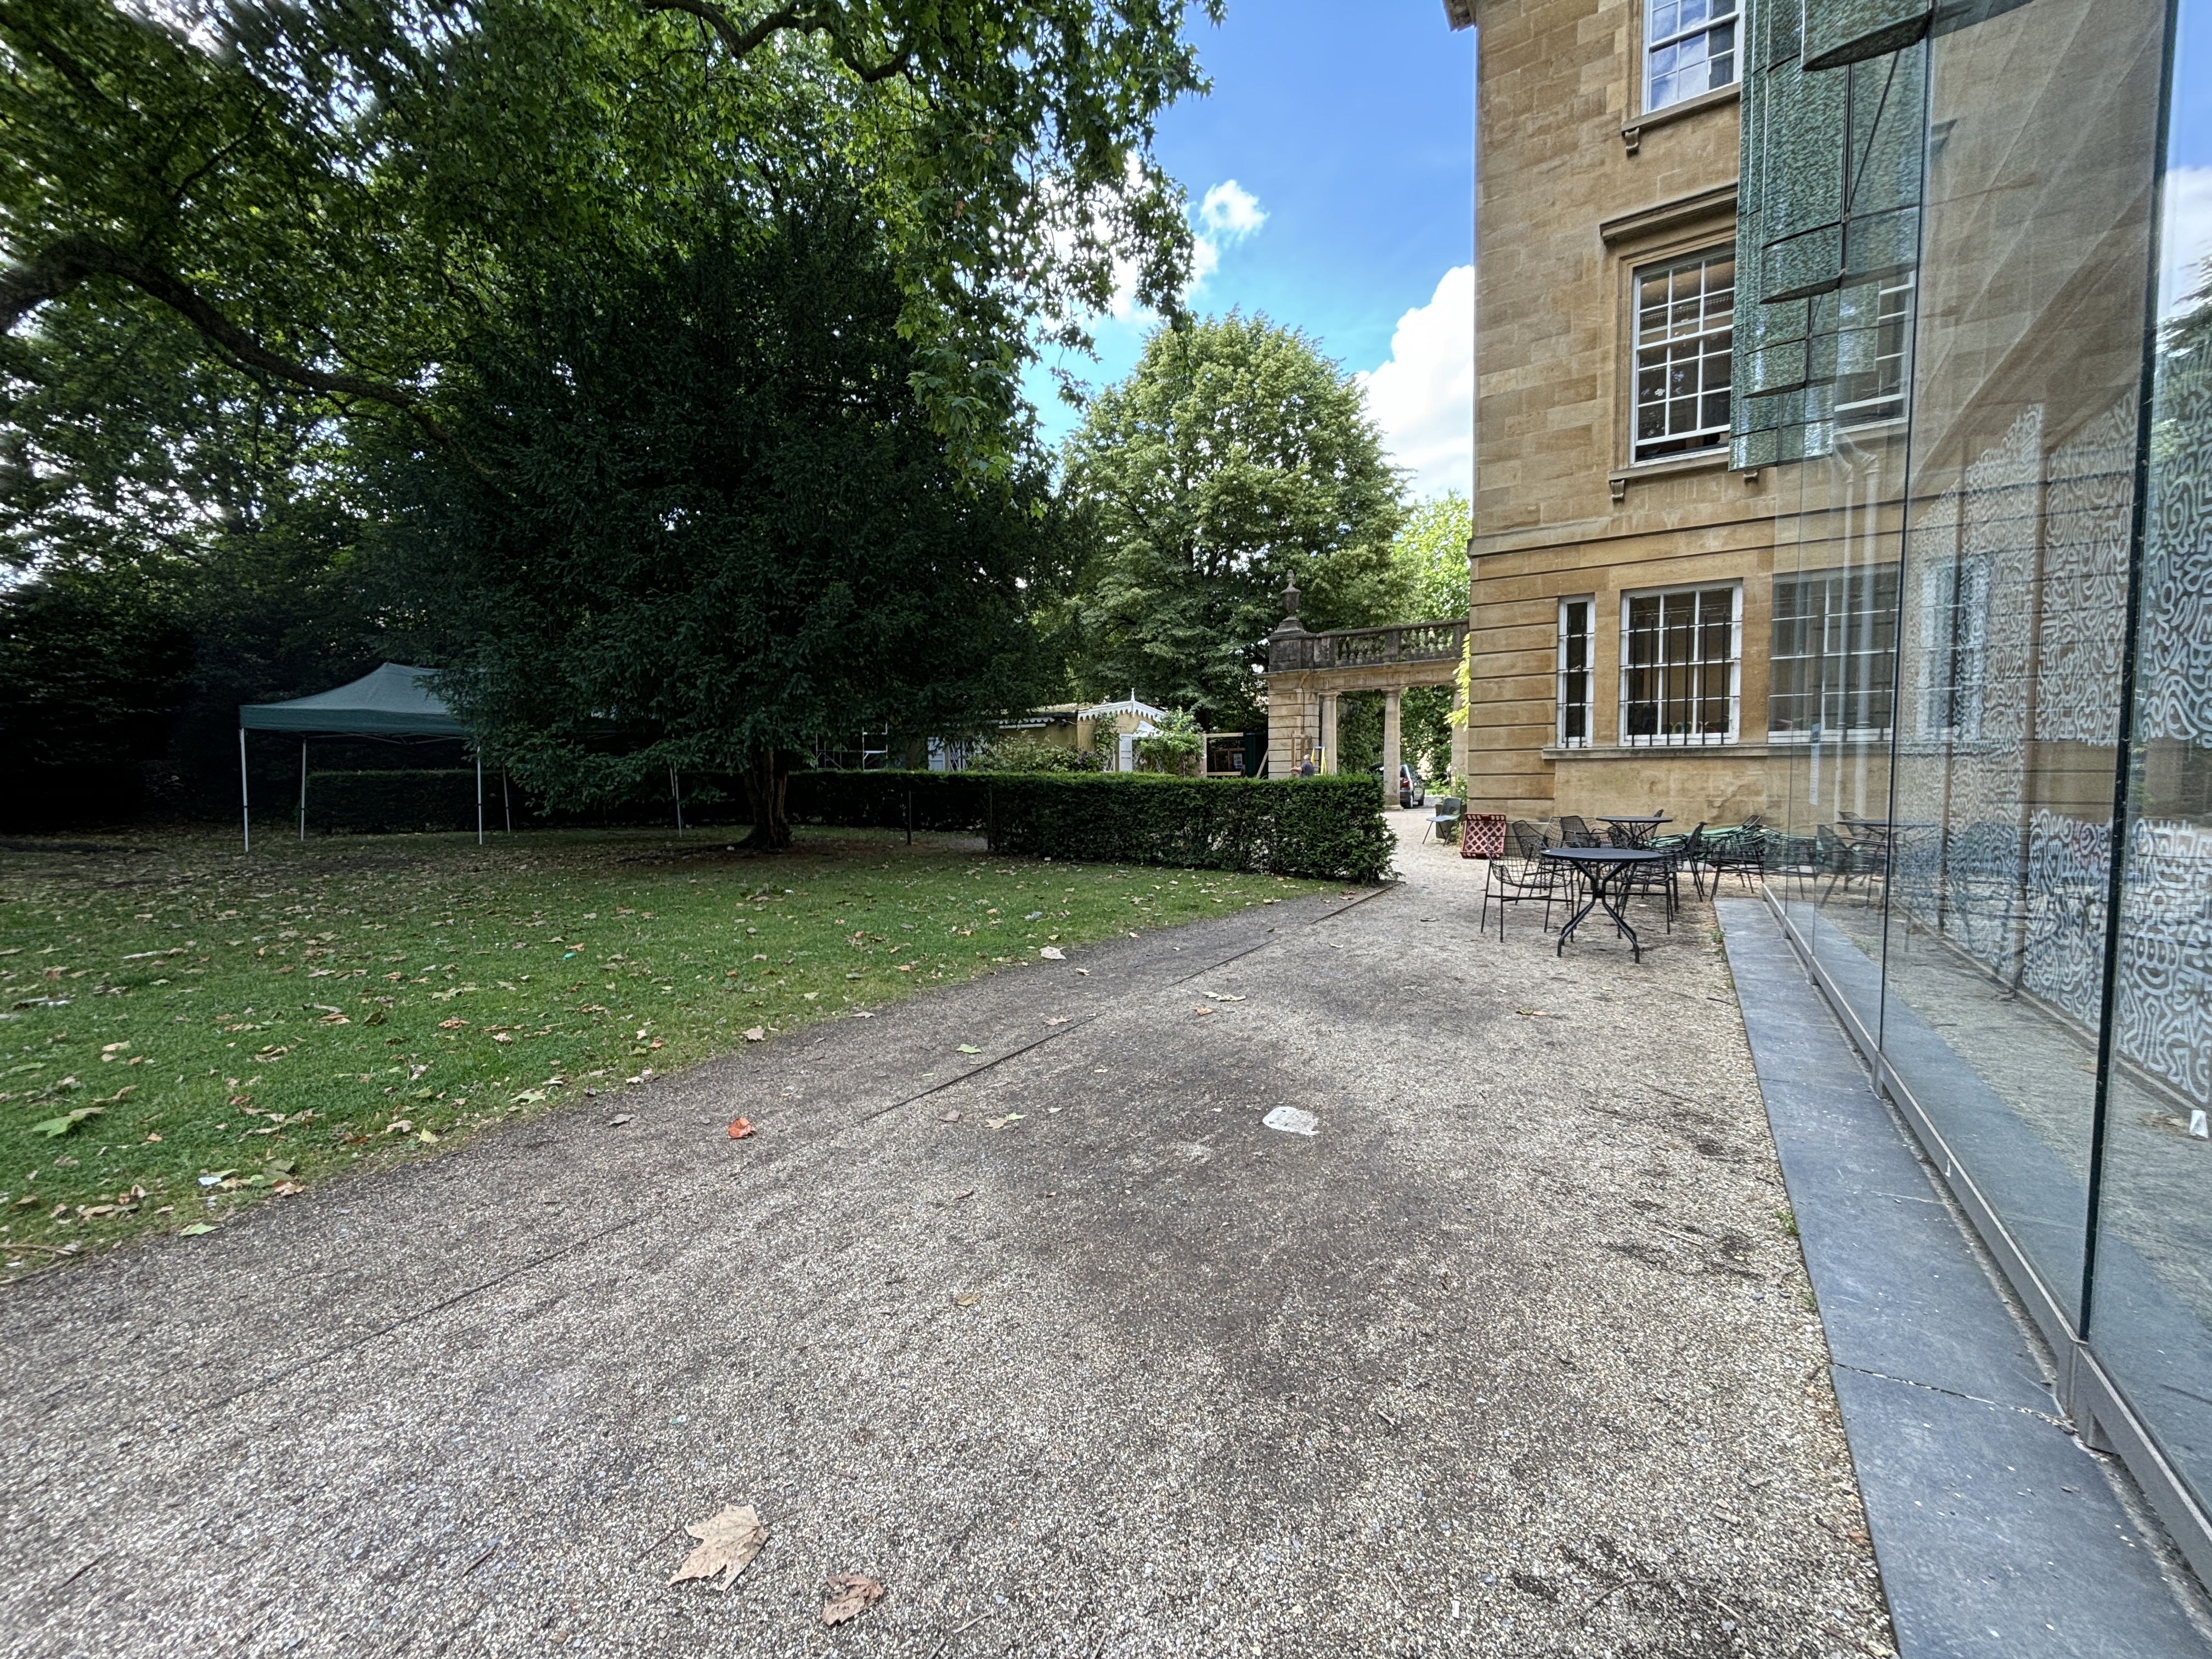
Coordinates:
(1621,570)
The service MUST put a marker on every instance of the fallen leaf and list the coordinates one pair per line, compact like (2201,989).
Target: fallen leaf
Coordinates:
(1222,996)
(1201,1009)
(754,1034)
(1086,972)
(55,1126)
(967,1299)
(1062,1020)
(617,1122)
(1531,1013)
(850,1595)
(740,1128)
(450,1025)
(727,1542)
(333,1019)
(1052,953)
(196,1228)
(952,1116)
(969,1048)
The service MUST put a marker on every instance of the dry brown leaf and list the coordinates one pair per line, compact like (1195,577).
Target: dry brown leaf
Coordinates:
(850,1594)
(740,1128)
(726,1542)
(754,1034)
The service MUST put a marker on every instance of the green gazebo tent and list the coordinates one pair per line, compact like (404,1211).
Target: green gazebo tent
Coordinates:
(392,702)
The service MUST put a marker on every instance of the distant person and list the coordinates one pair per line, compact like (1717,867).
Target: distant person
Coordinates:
(1305,769)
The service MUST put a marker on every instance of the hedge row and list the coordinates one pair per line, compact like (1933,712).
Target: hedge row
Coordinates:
(1327,826)
(375,803)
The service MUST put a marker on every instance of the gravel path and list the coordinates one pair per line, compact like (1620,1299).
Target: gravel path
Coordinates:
(1513,1355)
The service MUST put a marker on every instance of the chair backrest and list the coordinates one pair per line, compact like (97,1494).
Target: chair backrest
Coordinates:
(1576,833)
(1756,821)
(1619,835)
(1448,806)
(1528,838)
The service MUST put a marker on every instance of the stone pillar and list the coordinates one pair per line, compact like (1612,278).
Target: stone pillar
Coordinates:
(1328,733)
(1391,750)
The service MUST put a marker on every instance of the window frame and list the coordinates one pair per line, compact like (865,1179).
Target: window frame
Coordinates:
(1856,636)
(1713,346)
(1733,697)
(1652,43)
(1561,703)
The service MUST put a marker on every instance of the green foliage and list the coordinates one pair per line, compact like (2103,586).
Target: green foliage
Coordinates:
(1019,752)
(375,802)
(1430,552)
(1234,458)
(1174,741)
(331,196)
(1330,828)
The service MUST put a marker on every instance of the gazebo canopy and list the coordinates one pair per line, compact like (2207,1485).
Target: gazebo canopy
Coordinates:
(393,701)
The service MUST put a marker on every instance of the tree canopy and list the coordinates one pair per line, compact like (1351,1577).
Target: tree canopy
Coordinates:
(1235,458)
(725,530)
(1431,553)
(330,196)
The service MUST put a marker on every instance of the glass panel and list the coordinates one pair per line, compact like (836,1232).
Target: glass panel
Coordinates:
(2011,600)
(2151,1295)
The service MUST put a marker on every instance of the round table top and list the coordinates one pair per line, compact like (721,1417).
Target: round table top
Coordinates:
(1633,818)
(1603,855)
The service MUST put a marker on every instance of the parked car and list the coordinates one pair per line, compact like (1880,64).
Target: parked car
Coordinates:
(1412,791)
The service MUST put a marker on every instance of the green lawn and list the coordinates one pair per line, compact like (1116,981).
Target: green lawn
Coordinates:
(184,1031)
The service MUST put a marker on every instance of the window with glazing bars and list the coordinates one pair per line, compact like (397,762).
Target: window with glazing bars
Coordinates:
(1575,673)
(1685,327)
(1689,47)
(1680,661)
(1873,385)
(1834,655)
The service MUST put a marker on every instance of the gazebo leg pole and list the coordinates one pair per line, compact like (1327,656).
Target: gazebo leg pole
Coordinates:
(479,797)
(676,794)
(506,800)
(303,791)
(244,815)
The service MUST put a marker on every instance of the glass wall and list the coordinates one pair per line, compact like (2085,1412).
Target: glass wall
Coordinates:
(1974,336)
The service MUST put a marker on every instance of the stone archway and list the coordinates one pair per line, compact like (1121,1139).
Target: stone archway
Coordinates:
(1307,673)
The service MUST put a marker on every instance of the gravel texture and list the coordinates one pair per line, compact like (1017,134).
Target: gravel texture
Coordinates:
(1513,1355)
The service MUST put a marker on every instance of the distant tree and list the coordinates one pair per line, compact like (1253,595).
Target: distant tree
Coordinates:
(1235,458)
(1175,740)
(729,534)
(1431,553)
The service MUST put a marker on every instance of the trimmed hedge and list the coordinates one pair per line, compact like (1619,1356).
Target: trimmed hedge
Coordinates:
(371,803)
(1327,827)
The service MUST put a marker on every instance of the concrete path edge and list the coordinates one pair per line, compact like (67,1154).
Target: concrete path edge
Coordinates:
(1996,1531)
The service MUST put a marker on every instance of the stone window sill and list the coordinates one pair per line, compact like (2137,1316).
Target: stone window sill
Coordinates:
(1705,460)
(1633,132)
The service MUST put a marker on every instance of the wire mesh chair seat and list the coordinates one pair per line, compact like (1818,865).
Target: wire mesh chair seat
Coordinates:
(1527,876)
(1742,849)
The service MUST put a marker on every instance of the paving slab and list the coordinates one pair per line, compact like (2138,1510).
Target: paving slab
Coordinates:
(1999,1533)
(1512,1355)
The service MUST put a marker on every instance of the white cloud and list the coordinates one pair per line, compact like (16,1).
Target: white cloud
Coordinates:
(1231,212)
(2187,241)
(1424,397)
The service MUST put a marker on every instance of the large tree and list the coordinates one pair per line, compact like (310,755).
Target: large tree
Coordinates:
(1235,458)
(723,532)
(330,196)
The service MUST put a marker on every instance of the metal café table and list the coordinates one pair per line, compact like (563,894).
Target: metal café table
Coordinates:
(1603,868)
(1637,826)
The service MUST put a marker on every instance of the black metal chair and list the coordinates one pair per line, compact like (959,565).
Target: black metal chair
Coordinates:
(1527,875)
(1742,850)
(1680,850)
(1846,861)
(1574,832)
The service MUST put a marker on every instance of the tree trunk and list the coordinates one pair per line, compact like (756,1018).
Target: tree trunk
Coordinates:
(767,781)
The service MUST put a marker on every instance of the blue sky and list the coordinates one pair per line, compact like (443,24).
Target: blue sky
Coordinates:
(1347,132)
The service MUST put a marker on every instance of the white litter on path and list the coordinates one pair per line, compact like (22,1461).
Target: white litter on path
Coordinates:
(1291,1120)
